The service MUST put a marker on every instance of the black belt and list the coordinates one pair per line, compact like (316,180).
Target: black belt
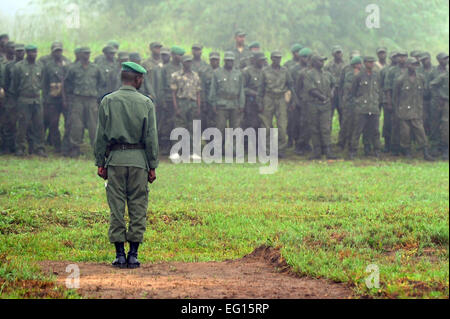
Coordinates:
(125,146)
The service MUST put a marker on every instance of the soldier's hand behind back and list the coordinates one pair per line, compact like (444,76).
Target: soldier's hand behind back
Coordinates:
(102,172)
(151,176)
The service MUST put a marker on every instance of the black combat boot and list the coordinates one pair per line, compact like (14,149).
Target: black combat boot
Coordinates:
(316,155)
(427,156)
(329,154)
(407,152)
(132,260)
(367,150)
(120,261)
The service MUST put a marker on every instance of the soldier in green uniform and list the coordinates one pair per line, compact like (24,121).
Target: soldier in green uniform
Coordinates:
(295,49)
(108,67)
(101,58)
(186,89)
(241,51)
(9,52)
(164,98)
(302,144)
(365,93)
(426,69)
(252,81)
(84,81)
(435,105)
(4,39)
(319,84)
(153,63)
(407,100)
(254,47)
(415,54)
(53,73)
(126,154)
(276,81)
(9,125)
(439,89)
(227,95)
(26,90)
(347,103)
(200,67)
(388,111)
(335,67)
(382,55)
(214,64)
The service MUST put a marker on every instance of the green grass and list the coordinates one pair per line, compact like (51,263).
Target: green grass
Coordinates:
(331,220)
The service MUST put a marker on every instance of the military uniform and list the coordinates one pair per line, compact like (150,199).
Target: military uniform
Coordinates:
(227,96)
(127,146)
(336,68)
(26,90)
(206,89)
(365,92)
(319,112)
(84,84)
(252,81)
(427,73)
(186,86)
(439,85)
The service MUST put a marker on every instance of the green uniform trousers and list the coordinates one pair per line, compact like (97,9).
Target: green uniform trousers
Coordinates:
(232,115)
(319,117)
(30,126)
(84,113)
(127,186)
(435,121)
(293,124)
(166,123)
(275,105)
(387,126)
(52,114)
(346,127)
(187,113)
(444,123)
(8,125)
(304,130)
(416,127)
(370,125)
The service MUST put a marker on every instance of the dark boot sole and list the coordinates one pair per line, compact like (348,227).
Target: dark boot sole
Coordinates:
(121,266)
(133,266)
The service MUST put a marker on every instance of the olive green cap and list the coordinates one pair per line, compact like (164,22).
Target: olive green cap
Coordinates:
(415,53)
(19,47)
(109,49)
(122,55)
(424,55)
(412,61)
(259,56)
(214,55)
(442,56)
(336,48)
(114,43)
(155,44)
(356,60)
(254,44)
(402,53)
(228,55)
(57,46)
(369,59)
(276,54)
(186,58)
(316,57)
(84,50)
(305,52)
(133,67)
(165,50)
(197,46)
(381,49)
(135,56)
(240,33)
(393,54)
(30,47)
(177,50)
(296,47)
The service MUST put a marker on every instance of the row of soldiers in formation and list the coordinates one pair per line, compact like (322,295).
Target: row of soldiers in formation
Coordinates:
(302,96)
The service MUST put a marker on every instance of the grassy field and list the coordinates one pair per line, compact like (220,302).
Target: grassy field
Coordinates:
(330,220)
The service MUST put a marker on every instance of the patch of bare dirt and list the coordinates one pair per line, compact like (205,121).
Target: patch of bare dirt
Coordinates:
(262,274)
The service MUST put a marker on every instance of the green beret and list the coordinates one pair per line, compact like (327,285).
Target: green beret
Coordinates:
(336,48)
(424,55)
(296,47)
(259,56)
(240,33)
(254,44)
(165,50)
(122,55)
(30,47)
(135,57)
(369,59)
(381,49)
(19,47)
(113,43)
(412,61)
(84,50)
(356,60)
(187,58)
(276,54)
(228,55)
(133,67)
(197,46)
(214,55)
(177,50)
(155,45)
(442,56)
(305,52)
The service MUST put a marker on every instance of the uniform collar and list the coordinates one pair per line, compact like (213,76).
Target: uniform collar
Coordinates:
(128,88)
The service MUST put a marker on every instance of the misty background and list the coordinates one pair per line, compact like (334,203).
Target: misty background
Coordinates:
(319,24)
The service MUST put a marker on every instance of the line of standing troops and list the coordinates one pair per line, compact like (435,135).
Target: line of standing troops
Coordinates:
(302,96)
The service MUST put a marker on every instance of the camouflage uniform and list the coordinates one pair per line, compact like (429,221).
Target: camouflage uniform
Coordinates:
(84,85)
